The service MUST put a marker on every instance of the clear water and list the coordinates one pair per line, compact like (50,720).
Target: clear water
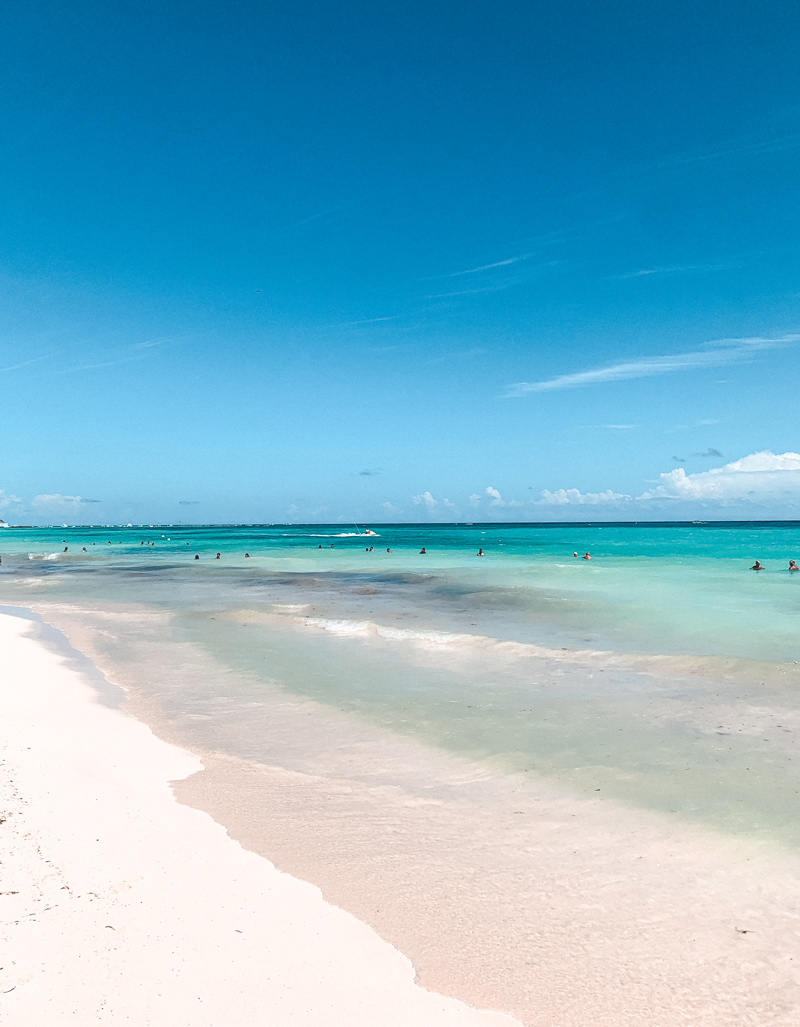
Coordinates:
(662,673)
(664,588)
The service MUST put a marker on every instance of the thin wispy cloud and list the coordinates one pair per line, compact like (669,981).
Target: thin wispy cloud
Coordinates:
(495,286)
(678,269)
(123,355)
(365,321)
(711,354)
(618,427)
(317,216)
(23,363)
(151,343)
(486,267)
(103,363)
(787,142)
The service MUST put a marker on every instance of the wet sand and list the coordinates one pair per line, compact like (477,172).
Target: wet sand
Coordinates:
(505,890)
(120,905)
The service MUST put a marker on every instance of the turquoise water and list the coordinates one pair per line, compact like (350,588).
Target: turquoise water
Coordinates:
(663,673)
(657,588)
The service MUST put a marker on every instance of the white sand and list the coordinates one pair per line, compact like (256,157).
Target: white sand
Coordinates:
(121,906)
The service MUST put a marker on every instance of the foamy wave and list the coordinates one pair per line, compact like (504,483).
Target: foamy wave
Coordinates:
(342,627)
(441,637)
(368,627)
(471,647)
(43,556)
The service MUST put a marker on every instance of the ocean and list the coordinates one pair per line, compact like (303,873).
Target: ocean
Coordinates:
(663,672)
(518,767)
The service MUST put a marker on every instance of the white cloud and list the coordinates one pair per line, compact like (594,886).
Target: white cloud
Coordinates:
(425,499)
(711,354)
(493,497)
(389,508)
(760,476)
(574,497)
(55,499)
(8,500)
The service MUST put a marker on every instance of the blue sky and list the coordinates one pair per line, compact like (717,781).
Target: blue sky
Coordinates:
(320,261)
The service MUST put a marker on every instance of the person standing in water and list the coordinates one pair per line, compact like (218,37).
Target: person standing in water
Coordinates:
(757,566)
(793,566)
(586,556)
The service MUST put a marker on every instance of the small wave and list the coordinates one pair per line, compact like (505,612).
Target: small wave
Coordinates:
(658,665)
(342,627)
(43,556)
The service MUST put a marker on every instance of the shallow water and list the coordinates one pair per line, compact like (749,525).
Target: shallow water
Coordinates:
(651,588)
(662,673)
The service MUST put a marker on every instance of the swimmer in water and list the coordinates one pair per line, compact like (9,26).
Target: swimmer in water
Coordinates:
(586,556)
(388,550)
(217,556)
(574,554)
(66,549)
(423,552)
(480,552)
(196,556)
(793,566)
(247,556)
(319,546)
(757,566)
(84,549)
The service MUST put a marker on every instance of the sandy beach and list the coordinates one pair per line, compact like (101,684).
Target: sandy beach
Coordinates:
(140,882)
(119,905)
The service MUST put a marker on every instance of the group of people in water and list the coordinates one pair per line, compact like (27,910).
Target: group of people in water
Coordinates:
(757,566)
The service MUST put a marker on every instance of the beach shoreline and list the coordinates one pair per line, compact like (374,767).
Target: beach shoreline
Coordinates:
(508,883)
(121,905)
